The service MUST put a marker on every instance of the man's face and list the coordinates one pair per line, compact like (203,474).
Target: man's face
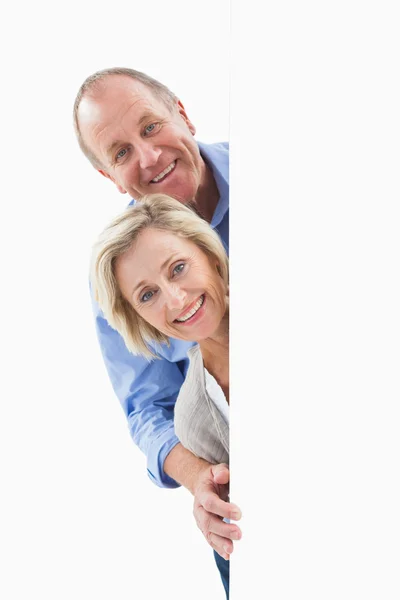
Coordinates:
(145,146)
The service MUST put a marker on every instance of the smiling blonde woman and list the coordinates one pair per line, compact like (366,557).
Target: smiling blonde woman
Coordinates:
(159,271)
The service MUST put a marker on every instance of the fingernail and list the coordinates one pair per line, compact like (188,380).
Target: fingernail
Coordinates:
(227,549)
(235,535)
(236,514)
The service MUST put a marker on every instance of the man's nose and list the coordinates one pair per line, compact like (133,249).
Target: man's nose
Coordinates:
(175,296)
(147,154)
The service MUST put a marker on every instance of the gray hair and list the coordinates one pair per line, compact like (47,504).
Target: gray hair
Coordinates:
(157,211)
(92,83)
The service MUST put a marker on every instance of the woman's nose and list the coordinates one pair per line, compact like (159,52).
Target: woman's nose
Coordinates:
(175,297)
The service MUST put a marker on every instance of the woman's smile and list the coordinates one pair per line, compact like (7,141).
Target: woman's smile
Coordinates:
(195,312)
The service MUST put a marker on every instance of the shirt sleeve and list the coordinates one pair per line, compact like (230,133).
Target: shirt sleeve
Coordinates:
(147,392)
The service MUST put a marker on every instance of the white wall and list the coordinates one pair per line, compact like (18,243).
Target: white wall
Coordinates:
(315,297)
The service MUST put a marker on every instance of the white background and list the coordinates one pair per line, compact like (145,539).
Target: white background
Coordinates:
(79,516)
(314,126)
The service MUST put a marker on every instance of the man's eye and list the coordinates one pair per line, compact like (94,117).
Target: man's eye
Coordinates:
(178,269)
(150,128)
(121,153)
(147,296)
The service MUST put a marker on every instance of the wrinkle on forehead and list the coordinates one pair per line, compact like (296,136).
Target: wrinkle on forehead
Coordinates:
(101,132)
(123,115)
(116,122)
(105,126)
(150,250)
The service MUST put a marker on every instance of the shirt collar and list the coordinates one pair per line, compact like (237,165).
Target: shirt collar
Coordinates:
(217,158)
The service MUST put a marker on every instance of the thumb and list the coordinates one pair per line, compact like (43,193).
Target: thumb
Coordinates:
(220,473)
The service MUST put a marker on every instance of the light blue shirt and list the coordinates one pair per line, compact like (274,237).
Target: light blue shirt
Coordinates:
(146,390)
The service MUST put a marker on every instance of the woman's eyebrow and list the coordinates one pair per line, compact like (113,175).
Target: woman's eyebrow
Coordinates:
(138,286)
(166,262)
(170,259)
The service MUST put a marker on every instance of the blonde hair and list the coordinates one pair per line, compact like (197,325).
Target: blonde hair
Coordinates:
(157,211)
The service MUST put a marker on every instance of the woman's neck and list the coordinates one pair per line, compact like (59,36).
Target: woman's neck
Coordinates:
(218,341)
(215,353)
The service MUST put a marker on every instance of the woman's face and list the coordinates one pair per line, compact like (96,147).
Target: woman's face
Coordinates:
(173,285)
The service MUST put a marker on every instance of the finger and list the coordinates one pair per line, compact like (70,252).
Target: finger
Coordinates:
(223,493)
(205,521)
(236,513)
(213,504)
(225,530)
(221,545)
(212,524)
(219,551)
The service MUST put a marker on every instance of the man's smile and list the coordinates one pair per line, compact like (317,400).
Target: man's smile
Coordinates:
(161,176)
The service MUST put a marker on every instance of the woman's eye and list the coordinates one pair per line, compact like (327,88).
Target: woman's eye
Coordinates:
(147,296)
(150,128)
(121,153)
(178,269)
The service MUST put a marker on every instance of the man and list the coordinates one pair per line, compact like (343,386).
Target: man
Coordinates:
(136,133)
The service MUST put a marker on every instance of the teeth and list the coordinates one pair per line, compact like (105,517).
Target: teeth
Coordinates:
(163,173)
(192,311)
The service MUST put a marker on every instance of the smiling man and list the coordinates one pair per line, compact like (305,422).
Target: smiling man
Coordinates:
(143,141)
(136,133)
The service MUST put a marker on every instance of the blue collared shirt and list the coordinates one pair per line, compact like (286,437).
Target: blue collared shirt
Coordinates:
(146,390)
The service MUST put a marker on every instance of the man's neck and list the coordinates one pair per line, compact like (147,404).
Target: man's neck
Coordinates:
(207,195)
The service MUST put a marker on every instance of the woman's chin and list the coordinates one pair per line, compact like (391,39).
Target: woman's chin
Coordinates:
(197,334)
(204,333)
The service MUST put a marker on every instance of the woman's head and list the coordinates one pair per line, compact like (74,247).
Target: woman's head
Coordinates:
(160,271)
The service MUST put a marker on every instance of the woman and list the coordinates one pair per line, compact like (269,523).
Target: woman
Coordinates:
(160,271)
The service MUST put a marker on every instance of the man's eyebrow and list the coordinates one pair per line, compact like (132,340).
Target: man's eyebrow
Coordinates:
(148,116)
(112,147)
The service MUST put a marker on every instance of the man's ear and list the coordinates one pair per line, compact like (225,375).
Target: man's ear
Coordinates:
(182,112)
(119,188)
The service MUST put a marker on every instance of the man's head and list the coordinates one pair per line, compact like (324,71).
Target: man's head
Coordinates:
(136,132)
